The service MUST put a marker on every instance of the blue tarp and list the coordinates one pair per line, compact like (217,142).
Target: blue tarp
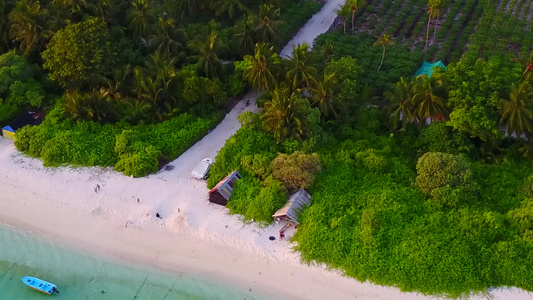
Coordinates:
(8,128)
(427,68)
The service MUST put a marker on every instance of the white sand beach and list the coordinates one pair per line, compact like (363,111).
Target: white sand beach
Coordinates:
(192,236)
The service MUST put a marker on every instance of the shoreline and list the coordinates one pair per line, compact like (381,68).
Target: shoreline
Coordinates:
(173,252)
(193,238)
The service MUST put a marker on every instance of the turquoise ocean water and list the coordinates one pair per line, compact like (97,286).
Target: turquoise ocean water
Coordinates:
(80,276)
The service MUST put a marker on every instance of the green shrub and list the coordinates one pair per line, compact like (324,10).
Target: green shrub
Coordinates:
(7,112)
(246,142)
(257,165)
(437,170)
(142,162)
(297,170)
(375,225)
(134,150)
(438,137)
(255,201)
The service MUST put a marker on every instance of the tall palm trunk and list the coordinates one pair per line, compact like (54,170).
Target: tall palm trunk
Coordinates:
(353,17)
(435,32)
(427,31)
(344,23)
(382,58)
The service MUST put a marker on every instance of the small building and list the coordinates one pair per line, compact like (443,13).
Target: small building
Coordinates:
(427,68)
(27,118)
(221,193)
(292,210)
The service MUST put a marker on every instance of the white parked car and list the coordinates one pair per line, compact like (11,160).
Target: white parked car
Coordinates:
(202,168)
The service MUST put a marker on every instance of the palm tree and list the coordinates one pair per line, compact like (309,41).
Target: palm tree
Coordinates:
(120,84)
(343,12)
(437,12)
(136,111)
(182,7)
(166,38)
(244,37)
(5,8)
(139,17)
(268,24)
(300,71)
(383,41)
(401,108)
(323,96)
(260,72)
(285,115)
(74,8)
(28,25)
(227,6)
(275,3)
(206,57)
(428,98)
(434,9)
(72,106)
(156,84)
(354,6)
(517,112)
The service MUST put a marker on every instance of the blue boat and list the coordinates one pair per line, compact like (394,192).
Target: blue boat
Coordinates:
(40,285)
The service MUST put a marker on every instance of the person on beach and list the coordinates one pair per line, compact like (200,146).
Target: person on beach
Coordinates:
(98,186)
(158,216)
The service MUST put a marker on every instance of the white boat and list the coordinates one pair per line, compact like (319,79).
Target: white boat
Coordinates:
(202,168)
(40,285)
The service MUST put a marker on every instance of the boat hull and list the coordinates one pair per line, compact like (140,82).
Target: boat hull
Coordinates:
(39,285)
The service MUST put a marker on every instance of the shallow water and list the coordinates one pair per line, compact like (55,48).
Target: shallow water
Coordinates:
(80,276)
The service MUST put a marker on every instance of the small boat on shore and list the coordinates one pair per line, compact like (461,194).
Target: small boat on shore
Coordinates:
(40,285)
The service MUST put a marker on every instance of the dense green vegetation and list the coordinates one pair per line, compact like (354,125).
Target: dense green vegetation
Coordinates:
(130,84)
(425,183)
(421,183)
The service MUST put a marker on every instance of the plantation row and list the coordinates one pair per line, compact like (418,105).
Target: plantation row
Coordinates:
(522,9)
(493,26)
(499,32)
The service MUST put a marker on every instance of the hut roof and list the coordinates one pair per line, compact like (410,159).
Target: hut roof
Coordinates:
(294,206)
(225,181)
(427,68)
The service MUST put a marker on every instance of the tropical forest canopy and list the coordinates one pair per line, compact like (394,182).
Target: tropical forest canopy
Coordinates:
(423,183)
(130,84)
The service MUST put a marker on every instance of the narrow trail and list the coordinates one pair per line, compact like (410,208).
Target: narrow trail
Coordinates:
(317,25)
(210,144)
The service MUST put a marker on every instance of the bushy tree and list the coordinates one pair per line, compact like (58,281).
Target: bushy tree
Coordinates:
(13,67)
(80,54)
(443,176)
(438,137)
(347,72)
(475,90)
(297,170)
(257,165)
(257,200)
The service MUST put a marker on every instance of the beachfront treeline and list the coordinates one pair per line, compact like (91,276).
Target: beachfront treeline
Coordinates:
(423,183)
(130,84)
